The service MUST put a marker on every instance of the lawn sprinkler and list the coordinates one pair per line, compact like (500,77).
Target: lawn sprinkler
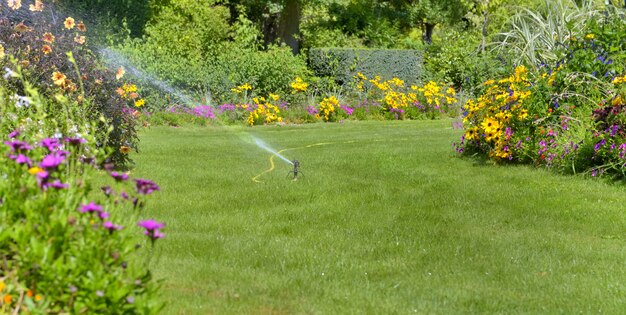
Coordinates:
(296,170)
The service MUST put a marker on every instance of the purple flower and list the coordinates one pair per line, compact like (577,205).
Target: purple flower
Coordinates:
(312,110)
(53,160)
(151,225)
(146,187)
(103,215)
(119,176)
(57,184)
(107,190)
(18,146)
(130,300)
(614,130)
(111,227)
(51,144)
(21,159)
(14,134)
(226,107)
(90,207)
(75,141)
(204,111)
(599,145)
(152,229)
(347,109)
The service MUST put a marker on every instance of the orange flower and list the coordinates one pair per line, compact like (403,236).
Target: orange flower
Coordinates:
(69,23)
(120,91)
(48,37)
(133,96)
(69,85)
(124,149)
(7,299)
(37,298)
(29,293)
(58,78)
(120,73)
(46,49)
(81,26)
(136,113)
(22,28)
(79,39)
(37,7)
(14,4)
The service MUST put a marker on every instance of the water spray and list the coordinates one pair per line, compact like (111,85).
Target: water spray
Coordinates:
(114,59)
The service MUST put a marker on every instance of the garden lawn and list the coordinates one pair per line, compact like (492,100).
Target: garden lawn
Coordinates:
(386,220)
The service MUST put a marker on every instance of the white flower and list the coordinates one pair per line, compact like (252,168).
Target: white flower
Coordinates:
(21,101)
(9,73)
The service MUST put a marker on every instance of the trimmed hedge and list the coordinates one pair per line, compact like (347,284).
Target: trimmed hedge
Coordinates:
(343,63)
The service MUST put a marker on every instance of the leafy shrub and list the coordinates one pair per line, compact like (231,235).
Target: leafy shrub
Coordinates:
(201,61)
(342,64)
(456,59)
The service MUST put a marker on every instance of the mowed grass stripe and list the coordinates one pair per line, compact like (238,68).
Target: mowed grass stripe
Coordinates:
(386,220)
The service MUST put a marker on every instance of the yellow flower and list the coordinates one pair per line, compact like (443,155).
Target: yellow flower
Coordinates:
(129,88)
(472,134)
(120,73)
(140,102)
(2,286)
(619,80)
(298,85)
(22,28)
(34,171)
(617,101)
(124,149)
(14,4)
(37,7)
(58,78)
(46,49)
(489,82)
(274,96)
(2,54)
(489,124)
(79,39)
(590,36)
(69,23)
(48,37)
(451,91)
(37,298)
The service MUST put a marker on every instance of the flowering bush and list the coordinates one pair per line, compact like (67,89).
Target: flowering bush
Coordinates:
(264,111)
(54,56)
(431,100)
(569,116)
(66,246)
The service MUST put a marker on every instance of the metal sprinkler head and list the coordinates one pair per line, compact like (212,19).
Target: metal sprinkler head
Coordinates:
(296,170)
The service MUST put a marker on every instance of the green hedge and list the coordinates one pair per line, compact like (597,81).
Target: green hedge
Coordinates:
(343,63)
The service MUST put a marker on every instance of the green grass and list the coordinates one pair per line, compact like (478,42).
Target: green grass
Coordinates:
(389,223)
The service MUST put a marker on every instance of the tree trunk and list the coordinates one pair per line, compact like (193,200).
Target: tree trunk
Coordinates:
(289,24)
(427,32)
